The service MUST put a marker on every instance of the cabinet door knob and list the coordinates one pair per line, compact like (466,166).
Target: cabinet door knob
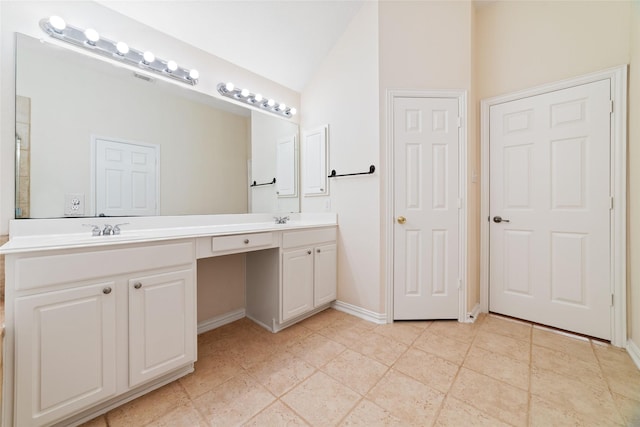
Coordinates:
(246,241)
(106,290)
(309,252)
(318,250)
(137,285)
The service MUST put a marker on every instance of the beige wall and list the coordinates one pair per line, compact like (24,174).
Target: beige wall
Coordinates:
(343,94)
(633,260)
(220,286)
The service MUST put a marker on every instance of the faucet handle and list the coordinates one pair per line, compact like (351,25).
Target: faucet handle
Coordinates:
(116,228)
(107,230)
(95,230)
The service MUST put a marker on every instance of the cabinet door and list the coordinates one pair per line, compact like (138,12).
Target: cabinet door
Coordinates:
(65,352)
(297,283)
(162,324)
(325,274)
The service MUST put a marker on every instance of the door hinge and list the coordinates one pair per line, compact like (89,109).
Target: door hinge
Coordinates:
(611,106)
(611,300)
(611,203)
(459,122)
(459,283)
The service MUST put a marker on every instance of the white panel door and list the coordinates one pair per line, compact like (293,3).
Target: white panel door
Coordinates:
(286,167)
(426,247)
(162,324)
(325,273)
(315,161)
(549,182)
(65,352)
(297,283)
(126,178)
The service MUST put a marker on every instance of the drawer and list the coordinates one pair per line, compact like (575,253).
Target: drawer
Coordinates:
(41,271)
(308,237)
(241,242)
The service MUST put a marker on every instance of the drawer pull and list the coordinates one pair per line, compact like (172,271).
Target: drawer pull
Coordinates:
(318,250)
(106,290)
(246,241)
(309,252)
(137,285)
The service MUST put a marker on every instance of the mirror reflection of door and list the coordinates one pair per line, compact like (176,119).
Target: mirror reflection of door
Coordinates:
(126,178)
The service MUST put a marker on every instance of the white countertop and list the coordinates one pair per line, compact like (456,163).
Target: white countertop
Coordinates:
(68,233)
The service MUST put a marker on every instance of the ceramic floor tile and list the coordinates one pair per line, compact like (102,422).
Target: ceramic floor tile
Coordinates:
(507,346)
(407,399)
(368,414)
(355,370)
(574,395)
(575,346)
(623,381)
(281,372)
(185,415)
(455,413)
(233,402)
(149,407)
(441,346)
(453,329)
(545,414)
(613,357)
(507,327)
(317,349)
(628,408)
(346,334)
(495,398)
(380,348)
(322,319)
(567,364)
(405,332)
(278,414)
(499,367)
(430,370)
(210,372)
(321,400)
(290,336)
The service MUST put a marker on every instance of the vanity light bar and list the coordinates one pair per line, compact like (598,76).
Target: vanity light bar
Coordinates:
(90,39)
(244,95)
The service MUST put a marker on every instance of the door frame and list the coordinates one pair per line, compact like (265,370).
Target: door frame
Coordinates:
(618,180)
(93,208)
(388,218)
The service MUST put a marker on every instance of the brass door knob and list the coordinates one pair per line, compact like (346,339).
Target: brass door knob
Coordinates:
(402,220)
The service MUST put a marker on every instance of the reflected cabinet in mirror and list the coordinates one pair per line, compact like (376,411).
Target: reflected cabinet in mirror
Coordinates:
(97,139)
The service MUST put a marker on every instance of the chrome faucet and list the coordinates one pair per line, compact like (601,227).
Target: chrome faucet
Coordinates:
(281,219)
(95,230)
(116,228)
(107,230)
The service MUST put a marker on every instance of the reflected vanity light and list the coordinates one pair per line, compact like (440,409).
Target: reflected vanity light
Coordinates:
(257,100)
(90,39)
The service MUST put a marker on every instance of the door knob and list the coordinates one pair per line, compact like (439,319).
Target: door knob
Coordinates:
(499,219)
(137,285)
(402,220)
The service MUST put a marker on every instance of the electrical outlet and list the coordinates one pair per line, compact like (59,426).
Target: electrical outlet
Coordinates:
(74,204)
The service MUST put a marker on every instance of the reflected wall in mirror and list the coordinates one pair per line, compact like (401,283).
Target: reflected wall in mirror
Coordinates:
(66,101)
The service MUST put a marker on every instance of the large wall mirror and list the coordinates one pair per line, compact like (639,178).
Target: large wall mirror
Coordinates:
(97,139)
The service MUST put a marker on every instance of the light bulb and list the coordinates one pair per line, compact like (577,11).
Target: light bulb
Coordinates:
(122,48)
(258,97)
(244,93)
(293,111)
(229,86)
(271,103)
(172,66)
(57,23)
(194,74)
(148,57)
(91,35)
(282,107)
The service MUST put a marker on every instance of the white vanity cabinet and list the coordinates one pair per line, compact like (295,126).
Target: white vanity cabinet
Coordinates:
(65,351)
(309,271)
(93,325)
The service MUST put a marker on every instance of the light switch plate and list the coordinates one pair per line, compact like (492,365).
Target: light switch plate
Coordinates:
(74,204)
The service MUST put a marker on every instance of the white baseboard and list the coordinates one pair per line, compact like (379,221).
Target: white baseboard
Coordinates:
(368,315)
(223,319)
(472,316)
(634,352)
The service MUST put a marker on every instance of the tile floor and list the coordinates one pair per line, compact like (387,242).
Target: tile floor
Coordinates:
(335,369)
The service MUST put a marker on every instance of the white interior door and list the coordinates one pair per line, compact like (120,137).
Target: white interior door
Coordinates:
(126,178)
(550,184)
(426,233)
